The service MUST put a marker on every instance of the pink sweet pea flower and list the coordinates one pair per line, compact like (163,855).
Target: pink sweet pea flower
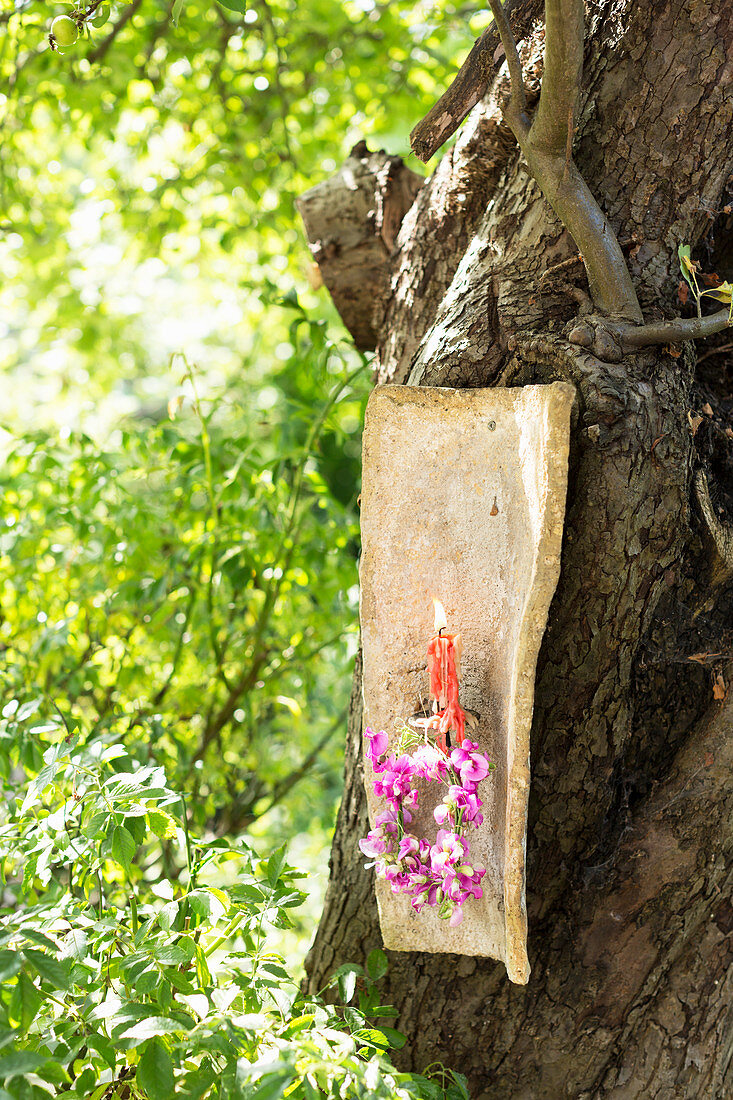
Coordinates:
(387,821)
(439,876)
(471,765)
(448,849)
(376,747)
(442,812)
(395,781)
(373,844)
(429,762)
(465,802)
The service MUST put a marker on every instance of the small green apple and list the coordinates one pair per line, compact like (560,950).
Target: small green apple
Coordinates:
(64,30)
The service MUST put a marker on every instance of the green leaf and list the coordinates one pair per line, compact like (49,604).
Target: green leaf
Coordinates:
(347,985)
(202,968)
(205,904)
(461,1086)
(178,981)
(176,12)
(290,900)
(374,1037)
(10,963)
(52,1071)
(396,1038)
(722,293)
(44,779)
(20,1062)
(162,824)
(234,5)
(196,1083)
(123,847)
(683,253)
(76,945)
(425,1088)
(35,936)
(167,915)
(153,1025)
(275,864)
(27,710)
(29,872)
(271,1089)
(103,1046)
(24,1003)
(8,1035)
(176,954)
(155,1071)
(50,969)
(377,964)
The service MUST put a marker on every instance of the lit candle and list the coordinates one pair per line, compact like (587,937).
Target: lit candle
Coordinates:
(444,658)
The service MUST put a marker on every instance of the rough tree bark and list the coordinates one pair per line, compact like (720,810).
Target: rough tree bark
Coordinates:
(630,824)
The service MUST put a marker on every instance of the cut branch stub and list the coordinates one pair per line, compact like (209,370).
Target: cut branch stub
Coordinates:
(351,221)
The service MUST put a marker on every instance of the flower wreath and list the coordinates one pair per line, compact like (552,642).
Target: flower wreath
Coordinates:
(440,874)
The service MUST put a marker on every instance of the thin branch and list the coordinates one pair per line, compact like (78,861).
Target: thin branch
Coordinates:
(570,197)
(564,30)
(281,789)
(468,88)
(721,350)
(545,147)
(674,332)
(471,82)
(516,115)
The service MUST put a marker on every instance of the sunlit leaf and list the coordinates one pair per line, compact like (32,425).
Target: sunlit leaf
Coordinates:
(155,1071)
(123,846)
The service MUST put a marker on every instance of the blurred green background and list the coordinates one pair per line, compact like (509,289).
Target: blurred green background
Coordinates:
(181,411)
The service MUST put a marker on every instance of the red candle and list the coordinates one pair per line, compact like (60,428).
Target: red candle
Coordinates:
(444,656)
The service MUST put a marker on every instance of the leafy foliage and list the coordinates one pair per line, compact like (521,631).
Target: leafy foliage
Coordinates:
(721,291)
(178,544)
(126,970)
(149,172)
(170,589)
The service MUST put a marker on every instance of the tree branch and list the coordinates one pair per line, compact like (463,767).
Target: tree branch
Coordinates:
(547,147)
(552,127)
(673,332)
(471,82)
(286,785)
(568,194)
(516,115)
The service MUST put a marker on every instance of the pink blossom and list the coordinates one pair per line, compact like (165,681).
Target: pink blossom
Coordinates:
(429,762)
(395,781)
(377,747)
(373,844)
(388,821)
(439,876)
(463,882)
(448,849)
(442,812)
(466,803)
(472,766)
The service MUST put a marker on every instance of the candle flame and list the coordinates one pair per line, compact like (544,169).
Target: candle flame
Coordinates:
(441,622)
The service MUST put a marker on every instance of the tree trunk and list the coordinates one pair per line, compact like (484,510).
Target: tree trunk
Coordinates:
(630,835)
